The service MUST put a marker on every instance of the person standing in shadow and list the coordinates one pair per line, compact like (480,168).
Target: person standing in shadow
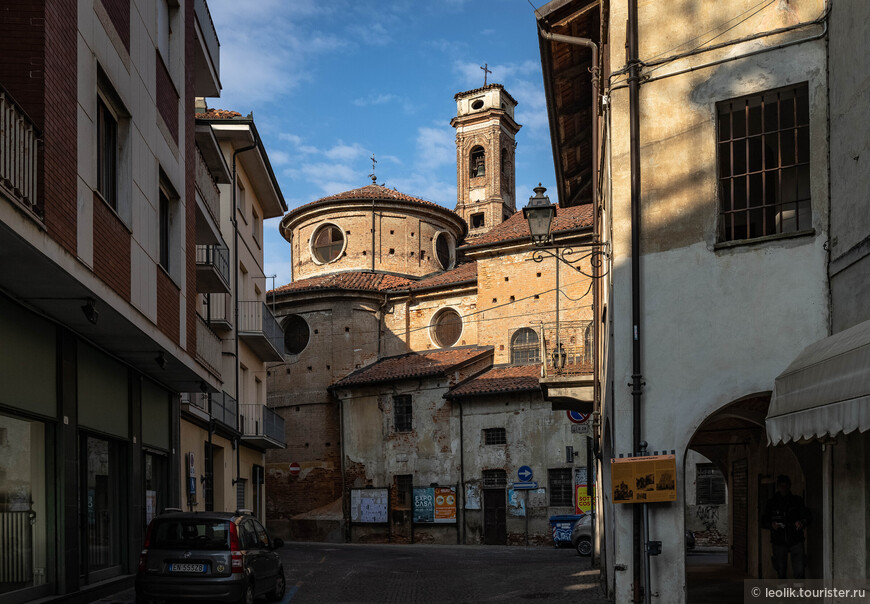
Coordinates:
(786,516)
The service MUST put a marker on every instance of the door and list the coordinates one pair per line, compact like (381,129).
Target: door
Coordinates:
(494,517)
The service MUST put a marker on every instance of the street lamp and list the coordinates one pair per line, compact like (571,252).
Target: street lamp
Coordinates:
(540,213)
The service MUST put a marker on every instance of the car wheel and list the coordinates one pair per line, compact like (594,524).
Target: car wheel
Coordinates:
(584,546)
(248,596)
(277,594)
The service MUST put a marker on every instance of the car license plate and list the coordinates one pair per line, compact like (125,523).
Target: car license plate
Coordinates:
(187,568)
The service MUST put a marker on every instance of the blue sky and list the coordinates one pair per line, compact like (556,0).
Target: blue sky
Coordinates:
(332,81)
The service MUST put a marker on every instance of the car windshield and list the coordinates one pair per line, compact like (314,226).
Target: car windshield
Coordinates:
(190,533)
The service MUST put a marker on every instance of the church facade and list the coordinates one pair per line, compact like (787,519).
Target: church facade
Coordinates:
(416,337)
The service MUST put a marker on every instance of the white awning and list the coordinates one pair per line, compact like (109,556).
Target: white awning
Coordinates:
(825,391)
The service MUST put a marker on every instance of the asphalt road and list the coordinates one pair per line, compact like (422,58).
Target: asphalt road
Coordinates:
(325,573)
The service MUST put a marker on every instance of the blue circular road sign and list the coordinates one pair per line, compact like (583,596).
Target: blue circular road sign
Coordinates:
(524,473)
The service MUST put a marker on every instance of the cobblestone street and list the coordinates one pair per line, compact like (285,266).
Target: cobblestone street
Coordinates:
(321,573)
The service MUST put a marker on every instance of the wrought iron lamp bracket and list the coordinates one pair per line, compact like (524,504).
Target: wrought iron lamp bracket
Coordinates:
(598,254)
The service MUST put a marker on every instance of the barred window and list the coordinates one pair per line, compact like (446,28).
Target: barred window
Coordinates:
(709,485)
(494,436)
(402,413)
(561,487)
(525,349)
(764,164)
(404,485)
(494,479)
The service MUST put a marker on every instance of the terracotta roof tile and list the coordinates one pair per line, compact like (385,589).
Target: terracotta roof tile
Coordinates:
(517,227)
(482,88)
(373,191)
(412,365)
(218,114)
(464,272)
(501,379)
(357,281)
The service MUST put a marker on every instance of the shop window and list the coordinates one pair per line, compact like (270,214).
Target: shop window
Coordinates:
(402,413)
(155,484)
(561,486)
(105,517)
(525,347)
(494,436)
(446,327)
(764,164)
(709,485)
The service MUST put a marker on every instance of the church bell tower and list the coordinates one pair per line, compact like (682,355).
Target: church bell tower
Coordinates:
(485,165)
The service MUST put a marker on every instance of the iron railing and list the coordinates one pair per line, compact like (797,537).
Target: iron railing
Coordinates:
(260,420)
(255,317)
(208,346)
(207,188)
(218,308)
(18,154)
(217,256)
(566,347)
(225,409)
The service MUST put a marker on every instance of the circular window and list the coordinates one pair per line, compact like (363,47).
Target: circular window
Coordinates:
(327,243)
(478,104)
(296,334)
(446,327)
(444,250)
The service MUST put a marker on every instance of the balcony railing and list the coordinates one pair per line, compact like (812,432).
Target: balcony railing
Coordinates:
(260,330)
(208,190)
(212,268)
(566,348)
(218,311)
(208,347)
(18,155)
(225,409)
(258,422)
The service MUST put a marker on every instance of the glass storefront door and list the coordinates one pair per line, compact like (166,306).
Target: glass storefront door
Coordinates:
(155,484)
(103,495)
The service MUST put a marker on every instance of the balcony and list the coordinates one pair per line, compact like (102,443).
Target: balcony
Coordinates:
(195,404)
(225,410)
(218,311)
(260,331)
(18,156)
(261,426)
(208,347)
(566,349)
(212,269)
(207,63)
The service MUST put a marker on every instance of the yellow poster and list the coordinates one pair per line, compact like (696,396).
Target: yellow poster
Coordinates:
(650,479)
(445,504)
(584,501)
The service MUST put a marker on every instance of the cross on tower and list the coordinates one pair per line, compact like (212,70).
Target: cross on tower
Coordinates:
(372,175)
(486,71)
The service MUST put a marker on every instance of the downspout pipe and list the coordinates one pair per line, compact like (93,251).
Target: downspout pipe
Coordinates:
(235,222)
(636,375)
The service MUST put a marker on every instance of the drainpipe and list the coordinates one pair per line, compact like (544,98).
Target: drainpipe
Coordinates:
(462,470)
(636,375)
(235,222)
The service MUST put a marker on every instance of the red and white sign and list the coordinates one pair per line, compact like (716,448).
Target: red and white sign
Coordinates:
(294,469)
(576,417)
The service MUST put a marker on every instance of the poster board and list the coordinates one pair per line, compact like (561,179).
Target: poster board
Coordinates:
(369,505)
(650,479)
(435,505)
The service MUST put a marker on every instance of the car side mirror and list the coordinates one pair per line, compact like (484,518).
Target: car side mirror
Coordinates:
(276,543)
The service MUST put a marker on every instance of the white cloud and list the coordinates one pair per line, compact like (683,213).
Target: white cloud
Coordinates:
(345,152)
(376,99)
(436,147)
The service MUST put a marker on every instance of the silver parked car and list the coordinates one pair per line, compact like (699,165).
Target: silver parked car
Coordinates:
(581,535)
(209,557)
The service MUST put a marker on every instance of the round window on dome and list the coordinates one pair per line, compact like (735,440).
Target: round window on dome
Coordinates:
(446,327)
(327,243)
(444,250)
(296,334)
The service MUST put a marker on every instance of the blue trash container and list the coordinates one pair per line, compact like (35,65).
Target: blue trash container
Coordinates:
(562,526)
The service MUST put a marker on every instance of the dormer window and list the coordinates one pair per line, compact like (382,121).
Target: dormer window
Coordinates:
(478,162)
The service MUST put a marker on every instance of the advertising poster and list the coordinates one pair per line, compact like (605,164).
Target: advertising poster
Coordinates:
(649,479)
(435,505)
(582,498)
(516,503)
(369,505)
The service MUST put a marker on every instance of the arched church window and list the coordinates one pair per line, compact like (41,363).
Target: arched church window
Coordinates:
(446,327)
(478,162)
(525,349)
(444,250)
(327,243)
(296,334)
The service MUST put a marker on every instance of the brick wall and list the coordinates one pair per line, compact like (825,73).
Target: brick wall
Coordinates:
(22,54)
(111,249)
(167,98)
(168,307)
(119,13)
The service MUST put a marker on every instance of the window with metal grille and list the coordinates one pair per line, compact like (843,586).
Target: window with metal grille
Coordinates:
(494,479)
(402,413)
(494,436)
(561,487)
(764,164)
(709,485)
(525,348)
(404,485)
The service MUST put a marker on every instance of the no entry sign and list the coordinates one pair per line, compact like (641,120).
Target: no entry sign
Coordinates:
(294,469)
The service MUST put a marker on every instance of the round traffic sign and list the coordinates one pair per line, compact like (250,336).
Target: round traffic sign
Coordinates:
(576,417)
(294,469)
(524,474)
